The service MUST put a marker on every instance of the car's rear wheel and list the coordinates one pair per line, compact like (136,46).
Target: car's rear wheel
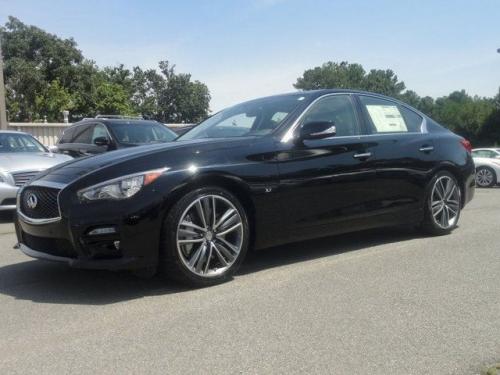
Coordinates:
(485,177)
(443,204)
(205,237)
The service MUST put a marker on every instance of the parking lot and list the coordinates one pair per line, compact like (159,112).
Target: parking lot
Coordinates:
(379,302)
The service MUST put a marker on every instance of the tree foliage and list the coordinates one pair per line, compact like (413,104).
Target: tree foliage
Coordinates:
(350,76)
(45,75)
(475,118)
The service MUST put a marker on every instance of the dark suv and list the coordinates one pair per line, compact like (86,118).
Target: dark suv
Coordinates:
(98,135)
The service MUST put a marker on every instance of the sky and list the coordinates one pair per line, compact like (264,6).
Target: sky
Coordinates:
(246,49)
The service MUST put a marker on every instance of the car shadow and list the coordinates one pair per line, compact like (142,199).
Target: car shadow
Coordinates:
(47,282)
(323,247)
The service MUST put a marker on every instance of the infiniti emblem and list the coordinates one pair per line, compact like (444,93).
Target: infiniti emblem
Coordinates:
(31,200)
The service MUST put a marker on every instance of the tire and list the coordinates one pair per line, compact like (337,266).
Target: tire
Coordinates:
(199,249)
(442,204)
(485,177)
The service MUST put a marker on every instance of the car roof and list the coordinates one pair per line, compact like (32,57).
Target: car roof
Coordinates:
(314,94)
(108,121)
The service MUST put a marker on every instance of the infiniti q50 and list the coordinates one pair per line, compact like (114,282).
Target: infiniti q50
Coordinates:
(262,173)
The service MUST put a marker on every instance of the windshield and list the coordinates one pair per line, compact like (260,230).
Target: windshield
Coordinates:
(255,118)
(139,133)
(12,142)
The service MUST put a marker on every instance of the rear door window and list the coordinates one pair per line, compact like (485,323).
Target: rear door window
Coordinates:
(385,116)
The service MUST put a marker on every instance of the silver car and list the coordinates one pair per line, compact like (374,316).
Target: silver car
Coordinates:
(22,157)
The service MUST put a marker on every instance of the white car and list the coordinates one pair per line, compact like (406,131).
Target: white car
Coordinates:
(487,161)
(22,157)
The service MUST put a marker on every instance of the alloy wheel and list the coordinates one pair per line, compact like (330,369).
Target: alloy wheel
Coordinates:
(445,202)
(484,177)
(210,235)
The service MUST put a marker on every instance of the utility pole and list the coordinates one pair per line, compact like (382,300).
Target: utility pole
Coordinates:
(3,110)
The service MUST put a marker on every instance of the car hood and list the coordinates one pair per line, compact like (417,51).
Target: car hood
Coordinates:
(71,171)
(30,161)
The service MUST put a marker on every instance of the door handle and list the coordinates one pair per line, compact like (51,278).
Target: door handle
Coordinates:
(364,155)
(426,148)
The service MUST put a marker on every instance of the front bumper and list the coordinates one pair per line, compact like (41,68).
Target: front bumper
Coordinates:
(7,196)
(110,264)
(133,244)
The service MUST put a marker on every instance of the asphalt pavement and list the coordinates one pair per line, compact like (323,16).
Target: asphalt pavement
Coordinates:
(380,302)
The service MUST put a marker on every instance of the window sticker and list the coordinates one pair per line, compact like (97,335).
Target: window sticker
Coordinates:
(386,118)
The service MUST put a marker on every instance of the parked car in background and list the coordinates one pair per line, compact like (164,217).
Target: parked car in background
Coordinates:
(22,157)
(487,161)
(180,129)
(269,171)
(102,134)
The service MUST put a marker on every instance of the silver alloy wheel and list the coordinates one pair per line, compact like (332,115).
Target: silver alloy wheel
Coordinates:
(210,235)
(445,202)
(484,177)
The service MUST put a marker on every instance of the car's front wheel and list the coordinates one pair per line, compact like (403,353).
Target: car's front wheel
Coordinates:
(443,204)
(485,177)
(205,237)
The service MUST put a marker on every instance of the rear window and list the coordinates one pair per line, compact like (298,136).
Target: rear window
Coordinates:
(140,133)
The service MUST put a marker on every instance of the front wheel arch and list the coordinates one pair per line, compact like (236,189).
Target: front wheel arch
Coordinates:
(230,183)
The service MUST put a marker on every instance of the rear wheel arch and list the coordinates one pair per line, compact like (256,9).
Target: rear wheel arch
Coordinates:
(455,172)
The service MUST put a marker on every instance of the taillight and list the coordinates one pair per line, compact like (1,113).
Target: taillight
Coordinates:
(466,144)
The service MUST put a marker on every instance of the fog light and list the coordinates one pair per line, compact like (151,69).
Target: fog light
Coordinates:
(103,230)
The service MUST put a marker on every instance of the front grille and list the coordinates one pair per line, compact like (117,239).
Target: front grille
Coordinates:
(53,246)
(22,178)
(38,202)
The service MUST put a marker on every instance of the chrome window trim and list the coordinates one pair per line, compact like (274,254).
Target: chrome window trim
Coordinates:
(290,132)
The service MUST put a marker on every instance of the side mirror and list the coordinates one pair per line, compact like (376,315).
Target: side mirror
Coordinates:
(317,130)
(101,141)
(497,157)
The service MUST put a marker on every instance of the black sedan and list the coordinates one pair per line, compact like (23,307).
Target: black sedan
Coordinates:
(95,136)
(265,172)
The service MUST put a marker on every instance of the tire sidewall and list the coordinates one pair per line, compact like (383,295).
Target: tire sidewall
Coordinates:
(170,250)
(429,223)
(493,182)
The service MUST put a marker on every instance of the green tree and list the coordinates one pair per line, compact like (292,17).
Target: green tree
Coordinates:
(169,97)
(465,115)
(45,75)
(52,101)
(112,99)
(350,76)
(33,59)
(333,75)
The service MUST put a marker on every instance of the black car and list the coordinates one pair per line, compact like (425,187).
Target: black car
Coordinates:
(262,173)
(98,135)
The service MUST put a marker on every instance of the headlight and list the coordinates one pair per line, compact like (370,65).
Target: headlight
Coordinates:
(121,187)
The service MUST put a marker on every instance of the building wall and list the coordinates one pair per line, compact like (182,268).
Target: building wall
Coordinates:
(47,134)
